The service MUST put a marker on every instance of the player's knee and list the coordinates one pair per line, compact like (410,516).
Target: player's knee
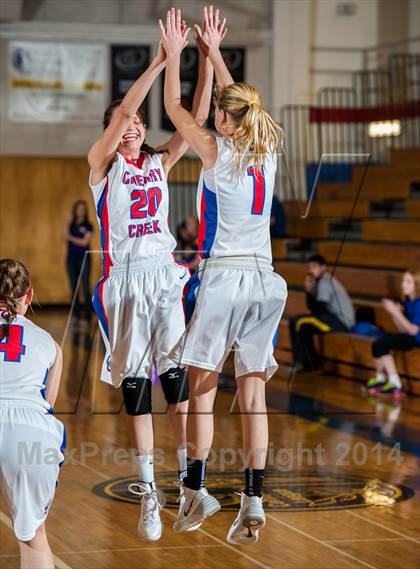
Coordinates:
(137,395)
(175,385)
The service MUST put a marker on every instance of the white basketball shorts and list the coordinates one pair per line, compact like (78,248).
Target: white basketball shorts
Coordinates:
(32,442)
(238,307)
(141,316)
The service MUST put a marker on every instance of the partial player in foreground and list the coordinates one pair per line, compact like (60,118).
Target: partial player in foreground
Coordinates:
(32,440)
(139,298)
(240,298)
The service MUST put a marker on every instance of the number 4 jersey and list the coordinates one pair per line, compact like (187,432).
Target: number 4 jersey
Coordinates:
(26,355)
(235,208)
(132,206)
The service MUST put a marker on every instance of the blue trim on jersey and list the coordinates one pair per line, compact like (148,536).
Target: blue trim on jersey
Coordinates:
(99,211)
(44,383)
(210,217)
(99,307)
(275,338)
(190,298)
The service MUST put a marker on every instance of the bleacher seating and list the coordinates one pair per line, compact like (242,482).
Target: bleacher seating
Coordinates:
(369,263)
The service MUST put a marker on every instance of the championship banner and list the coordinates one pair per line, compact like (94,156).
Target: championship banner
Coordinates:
(56,82)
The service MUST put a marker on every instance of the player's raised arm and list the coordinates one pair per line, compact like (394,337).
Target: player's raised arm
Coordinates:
(211,34)
(102,152)
(201,141)
(176,146)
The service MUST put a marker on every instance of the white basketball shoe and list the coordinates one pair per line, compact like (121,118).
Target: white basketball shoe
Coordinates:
(195,506)
(248,522)
(150,526)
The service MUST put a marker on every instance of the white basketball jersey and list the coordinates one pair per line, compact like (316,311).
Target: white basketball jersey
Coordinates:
(26,356)
(132,206)
(235,208)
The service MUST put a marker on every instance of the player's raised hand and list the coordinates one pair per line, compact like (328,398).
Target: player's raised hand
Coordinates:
(174,37)
(212,30)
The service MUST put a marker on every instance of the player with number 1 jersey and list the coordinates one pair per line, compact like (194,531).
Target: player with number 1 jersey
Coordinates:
(240,299)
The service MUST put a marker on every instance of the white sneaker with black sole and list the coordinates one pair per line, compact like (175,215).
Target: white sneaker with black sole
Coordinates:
(196,506)
(248,522)
(150,526)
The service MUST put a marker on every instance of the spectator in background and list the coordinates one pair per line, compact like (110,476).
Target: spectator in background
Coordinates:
(187,233)
(330,310)
(78,236)
(277,220)
(406,317)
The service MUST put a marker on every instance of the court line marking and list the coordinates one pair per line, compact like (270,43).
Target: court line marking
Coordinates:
(366,539)
(206,533)
(383,527)
(137,549)
(59,563)
(324,543)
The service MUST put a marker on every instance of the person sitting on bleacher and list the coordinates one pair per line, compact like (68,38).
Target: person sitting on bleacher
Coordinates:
(331,310)
(406,317)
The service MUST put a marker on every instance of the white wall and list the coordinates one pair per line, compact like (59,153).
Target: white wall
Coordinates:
(350,32)
(76,139)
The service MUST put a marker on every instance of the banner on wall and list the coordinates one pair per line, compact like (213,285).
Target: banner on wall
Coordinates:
(128,62)
(235,60)
(56,82)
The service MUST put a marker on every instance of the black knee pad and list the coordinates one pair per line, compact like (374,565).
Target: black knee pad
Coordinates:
(175,385)
(137,394)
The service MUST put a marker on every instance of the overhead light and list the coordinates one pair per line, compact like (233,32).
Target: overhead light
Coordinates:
(384,128)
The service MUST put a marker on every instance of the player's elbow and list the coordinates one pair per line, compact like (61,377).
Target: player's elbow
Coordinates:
(201,117)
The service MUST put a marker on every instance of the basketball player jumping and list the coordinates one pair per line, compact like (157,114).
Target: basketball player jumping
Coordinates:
(240,299)
(139,298)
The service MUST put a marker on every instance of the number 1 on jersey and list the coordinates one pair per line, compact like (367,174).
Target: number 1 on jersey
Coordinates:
(259,190)
(12,346)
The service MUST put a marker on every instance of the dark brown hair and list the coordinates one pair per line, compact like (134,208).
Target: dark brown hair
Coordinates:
(14,283)
(107,119)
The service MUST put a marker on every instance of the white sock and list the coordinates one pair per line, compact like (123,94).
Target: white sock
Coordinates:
(395,380)
(144,465)
(182,459)
(380,377)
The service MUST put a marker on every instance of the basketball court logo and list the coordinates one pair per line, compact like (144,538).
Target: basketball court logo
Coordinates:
(303,491)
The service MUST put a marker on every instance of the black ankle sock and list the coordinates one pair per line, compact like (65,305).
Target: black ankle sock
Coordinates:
(196,472)
(254,479)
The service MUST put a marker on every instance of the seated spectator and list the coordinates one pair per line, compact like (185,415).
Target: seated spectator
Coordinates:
(277,220)
(406,317)
(330,310)
(187,233)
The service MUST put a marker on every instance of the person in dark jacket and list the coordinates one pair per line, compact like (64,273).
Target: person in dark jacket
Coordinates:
(330,310)
(78,237)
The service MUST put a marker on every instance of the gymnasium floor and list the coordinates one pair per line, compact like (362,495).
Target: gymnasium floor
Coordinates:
(316,517)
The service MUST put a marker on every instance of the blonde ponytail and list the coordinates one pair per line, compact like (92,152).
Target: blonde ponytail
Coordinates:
(255,132)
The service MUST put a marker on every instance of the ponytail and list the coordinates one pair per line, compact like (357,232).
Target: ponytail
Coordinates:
(256,133)
(14,284)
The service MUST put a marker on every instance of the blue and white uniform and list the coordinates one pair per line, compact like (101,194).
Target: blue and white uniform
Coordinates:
(32,440)
(239,298)
(139,299)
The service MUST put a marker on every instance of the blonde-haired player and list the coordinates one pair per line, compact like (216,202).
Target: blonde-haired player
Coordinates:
(139,299)
(32,440)
(240,299)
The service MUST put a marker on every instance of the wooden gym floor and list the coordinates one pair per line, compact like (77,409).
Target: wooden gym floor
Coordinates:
(316,518)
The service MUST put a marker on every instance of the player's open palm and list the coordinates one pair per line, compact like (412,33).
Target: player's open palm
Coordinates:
(212,30)
(174,37)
